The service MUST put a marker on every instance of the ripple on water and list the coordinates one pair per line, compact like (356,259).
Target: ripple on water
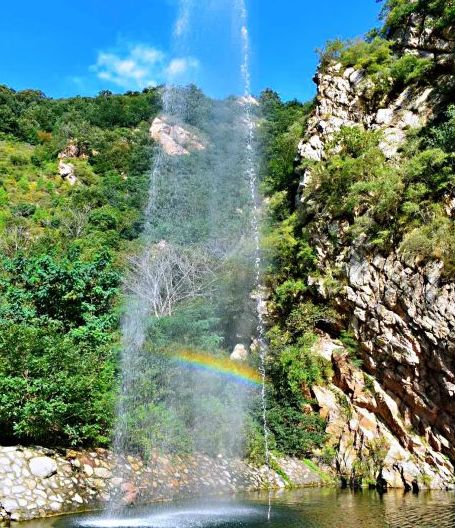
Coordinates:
(185,518)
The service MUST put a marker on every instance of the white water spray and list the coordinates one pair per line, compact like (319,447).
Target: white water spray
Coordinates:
(251,172)
(135,319)
(167,216)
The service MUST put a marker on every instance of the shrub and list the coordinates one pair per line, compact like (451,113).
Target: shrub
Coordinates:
(434,240)
(255,447)
(369,56)
(301,368)
(18,160)
(104,218)
(54,389)
(25,210)
(331,53)
(397,12)
(295,433)
(410,68)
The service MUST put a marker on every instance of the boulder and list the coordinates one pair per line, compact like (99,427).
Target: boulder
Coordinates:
(70,151)
(43,467)
(67,171)
(174,139)
(9,505)
(240,353)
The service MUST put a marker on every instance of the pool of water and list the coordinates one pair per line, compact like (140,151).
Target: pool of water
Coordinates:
(310,508)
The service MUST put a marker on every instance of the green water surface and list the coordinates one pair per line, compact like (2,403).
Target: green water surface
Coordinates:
(309,508)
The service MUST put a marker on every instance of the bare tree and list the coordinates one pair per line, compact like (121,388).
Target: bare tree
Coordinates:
(16,237)
(166,275)
(74,221)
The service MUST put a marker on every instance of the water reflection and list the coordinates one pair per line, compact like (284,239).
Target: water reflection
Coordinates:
(310,508)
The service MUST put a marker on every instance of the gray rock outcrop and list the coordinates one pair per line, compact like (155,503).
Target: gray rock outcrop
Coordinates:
(174,139)
(67,171)
(240,353)
(420,36)
(401,313)
(343,100)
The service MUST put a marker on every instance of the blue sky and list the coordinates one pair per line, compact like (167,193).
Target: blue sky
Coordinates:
(68,48)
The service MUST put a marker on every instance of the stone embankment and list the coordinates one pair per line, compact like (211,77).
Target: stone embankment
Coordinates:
(37,482)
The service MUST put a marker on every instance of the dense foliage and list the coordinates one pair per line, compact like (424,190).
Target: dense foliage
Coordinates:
(62,248)
(439,13)
(386,71)
(402,204)
(293,365)
(67,246)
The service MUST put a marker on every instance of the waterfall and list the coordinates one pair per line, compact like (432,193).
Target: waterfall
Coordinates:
(136,313)
(201,219)
(251,171)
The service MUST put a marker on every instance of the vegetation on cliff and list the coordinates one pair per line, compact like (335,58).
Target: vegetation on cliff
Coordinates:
(355,196)
(293,366)
(439,13)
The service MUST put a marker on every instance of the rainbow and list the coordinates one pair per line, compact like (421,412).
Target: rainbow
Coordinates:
(221,366)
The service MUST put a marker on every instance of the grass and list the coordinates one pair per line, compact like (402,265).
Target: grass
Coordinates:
(326,478)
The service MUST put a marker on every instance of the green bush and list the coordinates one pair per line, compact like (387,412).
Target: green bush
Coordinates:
(386,71)
(397,12)
(193,325)
(369,56)
(301,367)
(294,432)
(357,183)
(434,240)
(55,388)
(58,336)
(408,69)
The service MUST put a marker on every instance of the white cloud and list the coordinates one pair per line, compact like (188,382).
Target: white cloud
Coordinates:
(182,66)
(140,66)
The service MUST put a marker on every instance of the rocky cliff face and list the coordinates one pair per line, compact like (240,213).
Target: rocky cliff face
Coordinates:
(344,100)
(400,402)
(420,36)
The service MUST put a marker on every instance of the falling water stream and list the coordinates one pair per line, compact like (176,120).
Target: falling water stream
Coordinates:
(177,225)
(251,170)
(136,314)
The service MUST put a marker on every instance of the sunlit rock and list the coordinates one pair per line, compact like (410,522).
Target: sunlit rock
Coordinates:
(72,151)
(174,139)
(240,353)
(368,421)
(67,172)
(43,467)
(248,100)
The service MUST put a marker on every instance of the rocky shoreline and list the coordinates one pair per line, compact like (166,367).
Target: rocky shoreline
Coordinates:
(37,482)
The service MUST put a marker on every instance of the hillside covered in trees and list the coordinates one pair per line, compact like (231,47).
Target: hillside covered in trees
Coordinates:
(362,176)
(62,249)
